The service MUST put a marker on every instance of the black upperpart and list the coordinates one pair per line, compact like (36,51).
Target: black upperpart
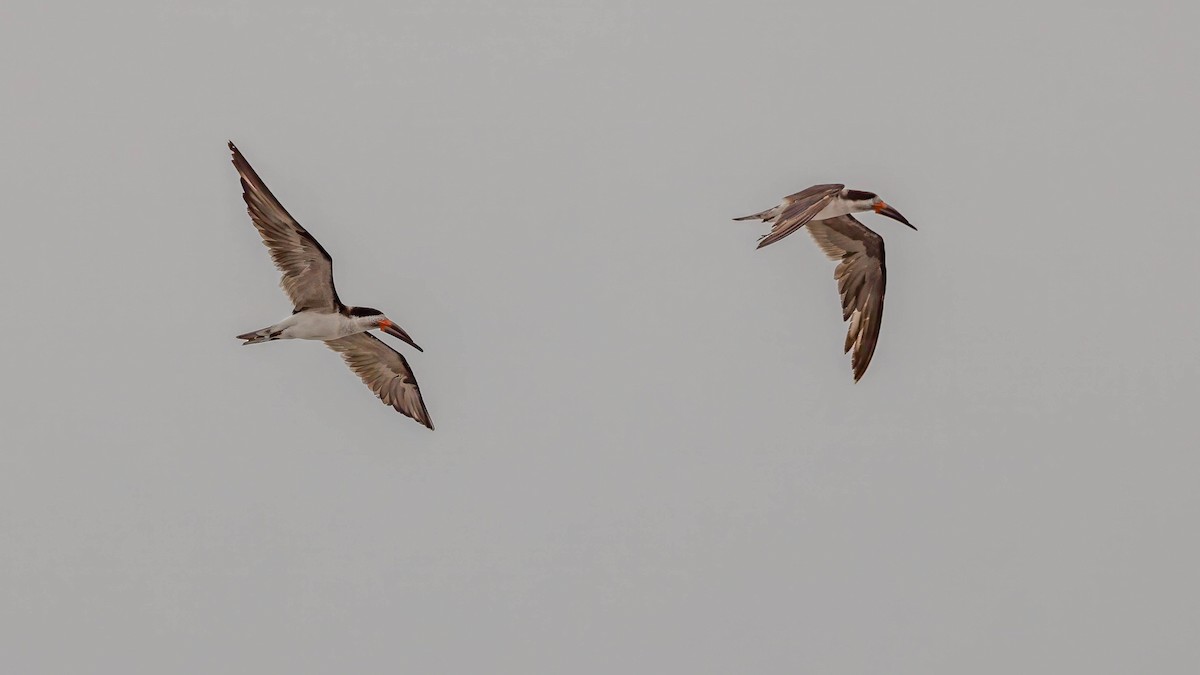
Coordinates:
(860,195)
(363,311)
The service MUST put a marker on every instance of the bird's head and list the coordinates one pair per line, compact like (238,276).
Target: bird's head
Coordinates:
(869,201)
(368,318)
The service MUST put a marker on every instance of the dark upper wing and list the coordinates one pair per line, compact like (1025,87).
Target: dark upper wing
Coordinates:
(798,209)
(385,372)
(306,266)
(861,278)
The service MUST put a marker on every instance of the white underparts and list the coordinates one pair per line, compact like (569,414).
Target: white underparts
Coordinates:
(319,326)
(840,207)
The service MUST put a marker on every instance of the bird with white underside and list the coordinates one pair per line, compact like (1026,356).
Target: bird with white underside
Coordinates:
(861,274)
(318,313)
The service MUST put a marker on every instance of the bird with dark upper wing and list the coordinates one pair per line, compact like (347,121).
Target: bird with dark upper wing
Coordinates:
(318,313)
(861,274)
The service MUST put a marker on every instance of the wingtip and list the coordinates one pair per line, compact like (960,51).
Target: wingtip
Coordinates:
(423,418)
(859,372)
(420,416)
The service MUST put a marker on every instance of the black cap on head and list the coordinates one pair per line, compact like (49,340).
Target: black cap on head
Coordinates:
(860,196)
(364,311)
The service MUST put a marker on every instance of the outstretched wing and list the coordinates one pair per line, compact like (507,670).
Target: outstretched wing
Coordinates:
(798,209)
(385,372)
(306,266)
(861,277)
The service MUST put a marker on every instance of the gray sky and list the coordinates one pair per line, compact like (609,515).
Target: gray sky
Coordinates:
(650,456)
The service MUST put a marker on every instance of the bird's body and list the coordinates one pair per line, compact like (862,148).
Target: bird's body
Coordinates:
(836,204)
(861,274)
(318,313)
(311,324)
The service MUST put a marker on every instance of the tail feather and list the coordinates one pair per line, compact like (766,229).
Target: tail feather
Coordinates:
(761,215)
(261,335)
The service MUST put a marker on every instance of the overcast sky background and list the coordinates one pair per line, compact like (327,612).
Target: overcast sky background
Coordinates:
(650,456)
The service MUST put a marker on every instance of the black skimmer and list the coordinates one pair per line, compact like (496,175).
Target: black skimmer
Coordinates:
(318,314)
(861,274)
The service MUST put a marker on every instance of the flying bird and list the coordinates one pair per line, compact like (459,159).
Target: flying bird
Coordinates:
(318,313)
(861,274)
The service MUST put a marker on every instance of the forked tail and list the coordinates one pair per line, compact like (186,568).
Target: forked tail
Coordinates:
(261,335)
(769,214)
